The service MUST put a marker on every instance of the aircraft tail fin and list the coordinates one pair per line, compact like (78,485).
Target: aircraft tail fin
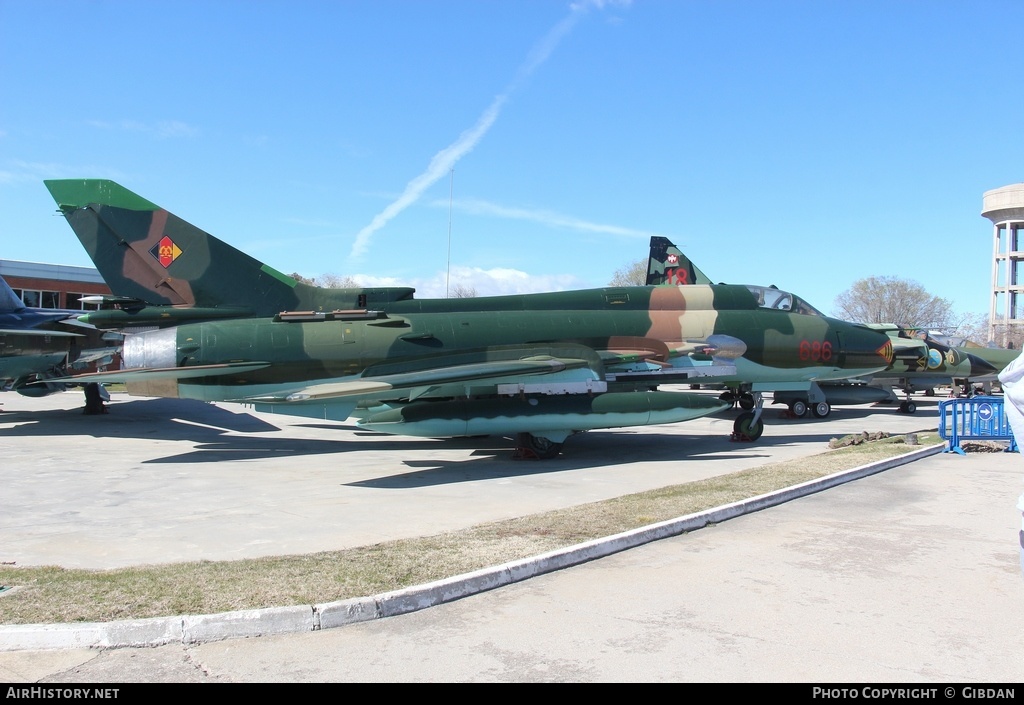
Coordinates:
(668,265)
(144,252)
(9,301)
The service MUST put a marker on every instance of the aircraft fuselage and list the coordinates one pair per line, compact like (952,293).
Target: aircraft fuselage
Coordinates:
(653,324)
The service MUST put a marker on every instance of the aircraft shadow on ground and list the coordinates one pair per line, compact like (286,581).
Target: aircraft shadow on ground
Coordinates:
(594,450)
(167,419)
(221,435)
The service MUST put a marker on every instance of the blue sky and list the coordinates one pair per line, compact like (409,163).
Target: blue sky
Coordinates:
(532,145)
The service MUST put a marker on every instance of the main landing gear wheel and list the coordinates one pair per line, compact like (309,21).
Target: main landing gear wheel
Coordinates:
(821,409)
(907,407)
(798,408)
(746,402)
(746,429)
(536,447)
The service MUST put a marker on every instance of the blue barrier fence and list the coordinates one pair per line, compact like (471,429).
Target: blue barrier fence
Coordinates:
(974,419)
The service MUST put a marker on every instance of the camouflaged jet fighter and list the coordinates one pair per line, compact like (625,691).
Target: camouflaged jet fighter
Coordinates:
(919,361)
(940,361)
(30,343)
(537,366)
(998,358)
(39,344)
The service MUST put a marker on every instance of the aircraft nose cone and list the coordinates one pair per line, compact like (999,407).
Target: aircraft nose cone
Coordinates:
(979,366)
(866,348)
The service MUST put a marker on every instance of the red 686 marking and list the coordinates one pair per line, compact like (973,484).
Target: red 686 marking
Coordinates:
(815,351)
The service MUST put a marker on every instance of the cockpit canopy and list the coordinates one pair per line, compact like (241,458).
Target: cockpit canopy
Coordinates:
(775,298)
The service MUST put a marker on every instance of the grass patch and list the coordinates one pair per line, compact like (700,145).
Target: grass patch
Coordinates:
(52,594)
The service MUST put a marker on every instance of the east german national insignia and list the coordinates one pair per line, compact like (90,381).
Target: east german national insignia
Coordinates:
(165,251)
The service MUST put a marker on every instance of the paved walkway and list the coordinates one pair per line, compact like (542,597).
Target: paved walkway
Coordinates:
(164,480)
(909,575)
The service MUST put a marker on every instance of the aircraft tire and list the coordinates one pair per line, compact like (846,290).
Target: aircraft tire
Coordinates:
(746,402)
(745,427)
(908,407)
(543,448)
(798,408)
(821,409)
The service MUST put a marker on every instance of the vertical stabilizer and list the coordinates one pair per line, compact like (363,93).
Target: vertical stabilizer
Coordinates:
(9,301)
(668,265)
(149,255)
(144,252)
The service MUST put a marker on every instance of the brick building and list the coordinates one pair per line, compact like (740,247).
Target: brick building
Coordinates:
(52,285)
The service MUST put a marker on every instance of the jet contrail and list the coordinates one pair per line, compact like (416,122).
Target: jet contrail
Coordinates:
(548,218)
(438,167)
(445,160)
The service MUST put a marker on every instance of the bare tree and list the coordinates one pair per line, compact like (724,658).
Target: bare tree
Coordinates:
(969,328)
(328,281)
(1011,337)
(336,281)
(634,274)
(461,291)
(893,300)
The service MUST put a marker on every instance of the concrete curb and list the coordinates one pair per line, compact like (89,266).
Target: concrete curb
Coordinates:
(159,631)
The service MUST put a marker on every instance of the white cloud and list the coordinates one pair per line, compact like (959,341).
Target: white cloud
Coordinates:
(20,171)
(174,128)
(163,129)
(486,282)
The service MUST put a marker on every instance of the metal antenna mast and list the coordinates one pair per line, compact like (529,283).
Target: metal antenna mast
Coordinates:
(451,190)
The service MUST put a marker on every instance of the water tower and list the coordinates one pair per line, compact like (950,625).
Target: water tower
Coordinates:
(1005,208)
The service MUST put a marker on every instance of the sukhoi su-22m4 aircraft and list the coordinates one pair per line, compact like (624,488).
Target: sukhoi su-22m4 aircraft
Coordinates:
(539,367)
(918,361)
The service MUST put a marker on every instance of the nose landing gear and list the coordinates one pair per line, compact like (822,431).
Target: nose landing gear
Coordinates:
(749,425)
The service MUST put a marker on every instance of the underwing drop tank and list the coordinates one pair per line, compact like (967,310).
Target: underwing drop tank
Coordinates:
(553,417)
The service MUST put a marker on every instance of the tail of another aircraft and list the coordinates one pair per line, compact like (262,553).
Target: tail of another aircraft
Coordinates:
(668,265)
(9,301)
(145,253)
